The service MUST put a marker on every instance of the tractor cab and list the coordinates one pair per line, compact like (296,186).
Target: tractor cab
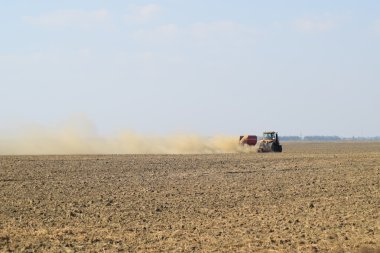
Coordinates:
(270,136)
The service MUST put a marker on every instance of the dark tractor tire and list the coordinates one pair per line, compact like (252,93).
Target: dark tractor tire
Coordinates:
(280,148)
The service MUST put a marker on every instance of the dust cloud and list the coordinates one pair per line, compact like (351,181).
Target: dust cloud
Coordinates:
(81,138)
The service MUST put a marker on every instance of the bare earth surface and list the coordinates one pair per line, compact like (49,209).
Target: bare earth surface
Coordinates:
(314,197)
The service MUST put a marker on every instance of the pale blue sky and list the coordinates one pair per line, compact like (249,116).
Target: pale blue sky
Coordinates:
(206,67)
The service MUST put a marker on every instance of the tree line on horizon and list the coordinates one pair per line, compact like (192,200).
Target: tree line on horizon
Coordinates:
(327,138)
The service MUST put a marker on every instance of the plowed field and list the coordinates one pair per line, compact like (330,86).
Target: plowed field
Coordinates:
(313,197)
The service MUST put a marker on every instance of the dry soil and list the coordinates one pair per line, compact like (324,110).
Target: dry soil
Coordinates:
(314,197)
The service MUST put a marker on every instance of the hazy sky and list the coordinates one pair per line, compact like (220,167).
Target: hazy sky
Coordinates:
(206,67)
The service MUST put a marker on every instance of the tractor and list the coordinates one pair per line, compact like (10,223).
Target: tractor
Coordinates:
(270,143)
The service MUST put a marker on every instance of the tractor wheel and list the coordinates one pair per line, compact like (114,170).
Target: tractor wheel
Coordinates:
(280,148)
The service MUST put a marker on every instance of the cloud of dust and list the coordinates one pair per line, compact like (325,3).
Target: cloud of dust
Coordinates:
(78,136)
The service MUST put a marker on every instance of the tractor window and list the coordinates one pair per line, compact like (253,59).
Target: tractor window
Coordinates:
(268,136)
